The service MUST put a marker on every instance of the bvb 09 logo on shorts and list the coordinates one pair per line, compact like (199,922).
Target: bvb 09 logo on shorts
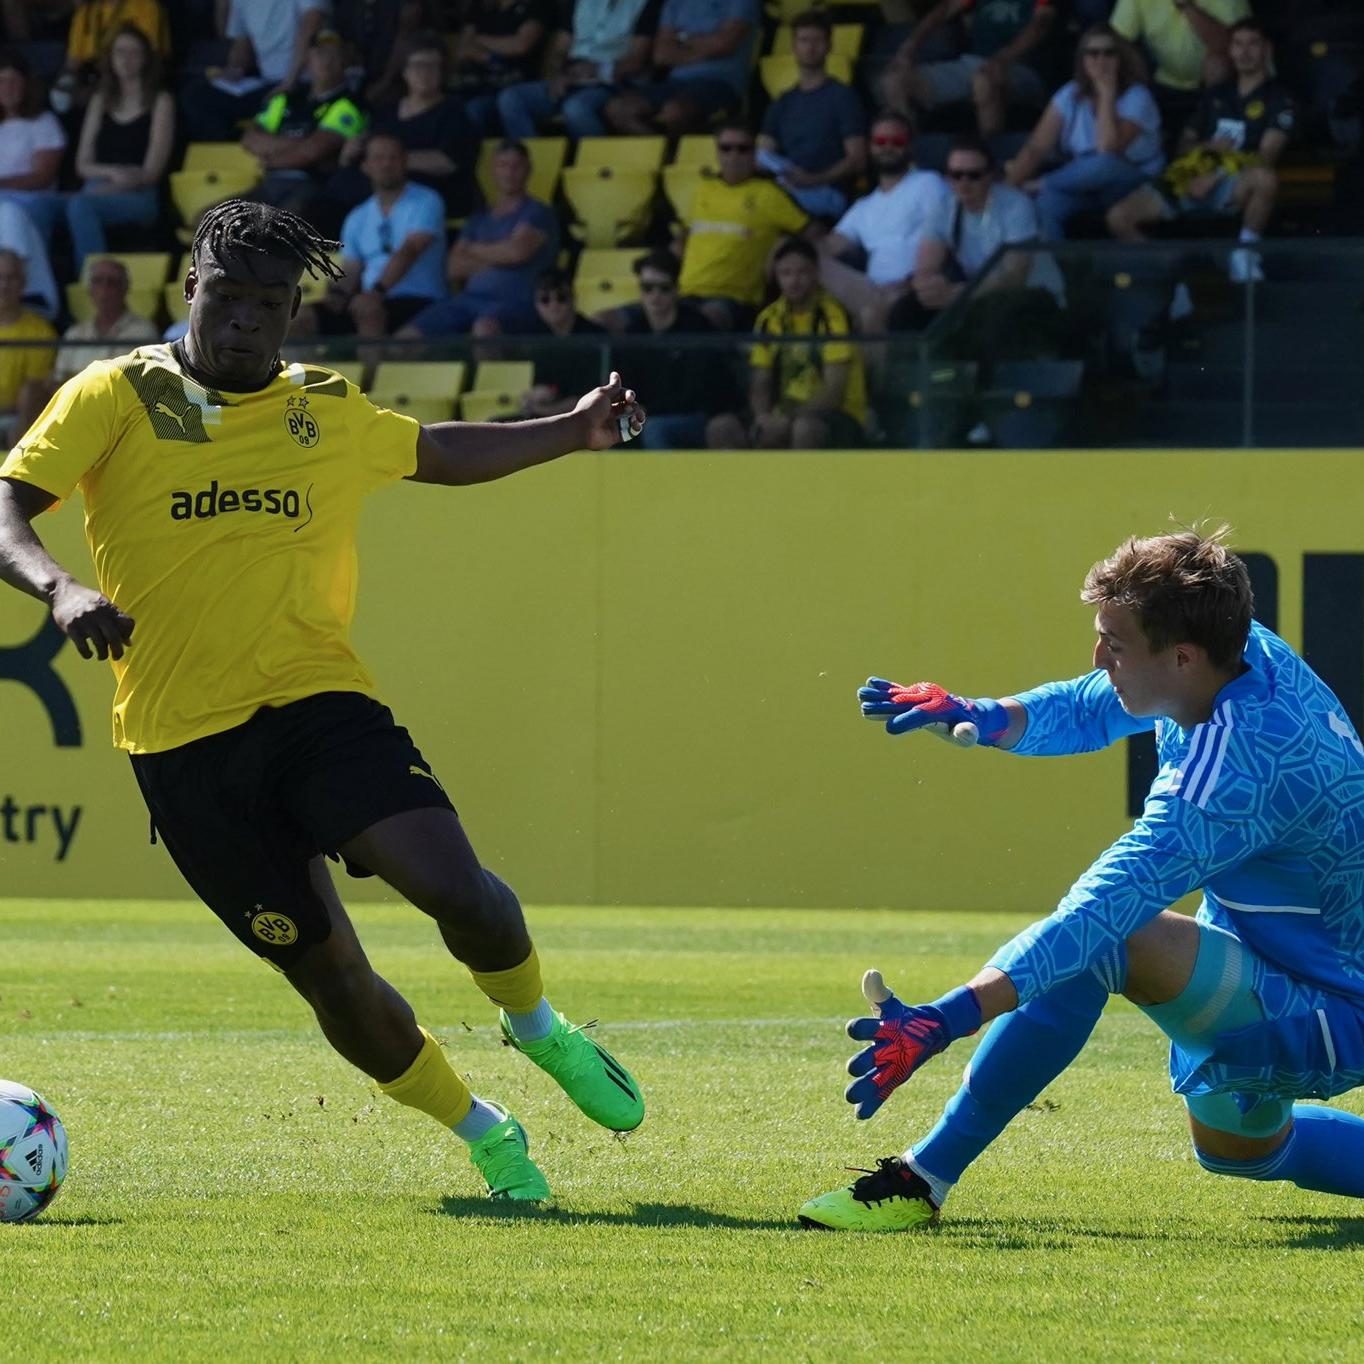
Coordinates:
(275,929)
(300,423)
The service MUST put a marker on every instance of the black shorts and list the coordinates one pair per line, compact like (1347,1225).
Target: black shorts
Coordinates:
(242,813)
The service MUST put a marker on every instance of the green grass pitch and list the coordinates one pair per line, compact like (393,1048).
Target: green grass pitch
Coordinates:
(236,1191)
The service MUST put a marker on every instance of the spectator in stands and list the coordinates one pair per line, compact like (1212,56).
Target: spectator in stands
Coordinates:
(125,145)
(498,257)
(814,136)
(886,225)
(706,48)
(19,236)
(298,135)
(36,20)
(392,250)
(686,384)
(737,218)
(270,43)
(608,48)
(991,70)
(112,323)
(378,33)
(1105,124)
(499,45)
(1189,40)
(19,363)
(800,397)
(562,373)
(94,28)
(442,147)
(1227,156)
(31,143)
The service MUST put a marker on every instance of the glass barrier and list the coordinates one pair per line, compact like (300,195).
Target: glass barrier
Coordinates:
(1078,344)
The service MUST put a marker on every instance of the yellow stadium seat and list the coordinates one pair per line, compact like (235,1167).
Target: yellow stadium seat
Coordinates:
(610,205)
(598,290)
(143,302)
(423,389)
(547,157)
(490,405)
(146,269)
(847,40)
(696,150)
(193,191)
(173,296)
(622,153)
(779,72)
(314,287)
(219,156)
(680,184)
(504,376)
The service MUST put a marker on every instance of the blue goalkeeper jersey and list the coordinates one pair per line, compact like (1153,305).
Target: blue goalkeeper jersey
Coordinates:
(1262,807)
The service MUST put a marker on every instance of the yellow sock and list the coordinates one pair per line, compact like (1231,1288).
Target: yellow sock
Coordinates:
(518,989)
(430,1084)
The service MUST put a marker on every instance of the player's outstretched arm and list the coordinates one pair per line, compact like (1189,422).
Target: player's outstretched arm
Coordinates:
(92,622)
(958,719)
(477,452)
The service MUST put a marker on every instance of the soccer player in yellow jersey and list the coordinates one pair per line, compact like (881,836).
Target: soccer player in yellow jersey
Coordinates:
(221,491)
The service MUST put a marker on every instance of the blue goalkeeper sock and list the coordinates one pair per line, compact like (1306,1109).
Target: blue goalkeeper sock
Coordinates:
(1324,1152)
(1021,1054)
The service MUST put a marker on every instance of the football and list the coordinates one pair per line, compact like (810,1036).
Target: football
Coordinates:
(32,1153)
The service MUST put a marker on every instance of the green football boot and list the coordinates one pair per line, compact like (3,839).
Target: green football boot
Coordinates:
(586,1072)
(889,1198)
(502,1156)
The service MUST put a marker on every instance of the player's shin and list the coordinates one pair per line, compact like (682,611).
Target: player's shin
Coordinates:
(1021,1054)
(1324,1152)
(519,991)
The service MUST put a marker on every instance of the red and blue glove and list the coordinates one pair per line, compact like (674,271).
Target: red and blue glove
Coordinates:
(925,705)
(903,1037)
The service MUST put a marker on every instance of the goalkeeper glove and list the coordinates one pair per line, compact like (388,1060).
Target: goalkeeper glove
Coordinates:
(925,705)
(902,1037)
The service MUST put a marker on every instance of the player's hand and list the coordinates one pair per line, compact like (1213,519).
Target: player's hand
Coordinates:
(610,415)
(902,1038)
(91,621)
(927,706)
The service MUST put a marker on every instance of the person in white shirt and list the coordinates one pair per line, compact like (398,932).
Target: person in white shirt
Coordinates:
(270,41)
(886,225)
(31,143)
(18,234)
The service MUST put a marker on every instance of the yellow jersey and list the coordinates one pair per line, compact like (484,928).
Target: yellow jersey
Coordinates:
(18,363)
(733,229)
(798,370)
(224,524)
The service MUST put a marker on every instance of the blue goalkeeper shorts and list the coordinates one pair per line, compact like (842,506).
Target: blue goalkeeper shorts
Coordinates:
(1246,1038)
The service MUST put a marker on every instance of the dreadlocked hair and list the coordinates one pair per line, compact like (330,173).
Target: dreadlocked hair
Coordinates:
(244,225)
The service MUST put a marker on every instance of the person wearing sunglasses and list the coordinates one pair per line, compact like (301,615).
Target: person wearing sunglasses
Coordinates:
(392,249)
(989,72)
(886,225)
(737,218)
(562,372)
(1104,128)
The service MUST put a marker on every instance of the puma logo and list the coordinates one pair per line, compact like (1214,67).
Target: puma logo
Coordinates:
(422,772)
(165,411)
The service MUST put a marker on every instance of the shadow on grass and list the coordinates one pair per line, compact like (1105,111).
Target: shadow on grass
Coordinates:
(42,1221)
(643,1215)
(1320,1233)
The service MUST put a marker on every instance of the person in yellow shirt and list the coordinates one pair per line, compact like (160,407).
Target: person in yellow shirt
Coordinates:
(737,219)
(222,489)
(1189,41)
(19,364)
(807,395)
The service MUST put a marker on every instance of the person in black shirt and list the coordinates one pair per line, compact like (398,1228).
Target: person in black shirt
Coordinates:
(562,373)
(1227,156)
(499,45)
(687,385)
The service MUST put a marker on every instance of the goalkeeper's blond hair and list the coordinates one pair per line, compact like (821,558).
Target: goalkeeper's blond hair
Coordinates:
(1183,588)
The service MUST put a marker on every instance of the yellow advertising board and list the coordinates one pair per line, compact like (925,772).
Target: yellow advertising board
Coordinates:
(635,674)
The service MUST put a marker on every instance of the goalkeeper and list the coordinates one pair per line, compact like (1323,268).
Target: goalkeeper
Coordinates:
(1259,801)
